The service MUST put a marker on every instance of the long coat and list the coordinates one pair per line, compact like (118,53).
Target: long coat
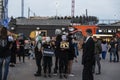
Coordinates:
(88,51)
(88,59)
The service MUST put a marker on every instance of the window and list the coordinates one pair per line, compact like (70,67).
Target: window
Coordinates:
(109,31)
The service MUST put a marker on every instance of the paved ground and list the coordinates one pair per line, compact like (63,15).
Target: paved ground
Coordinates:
(25,71)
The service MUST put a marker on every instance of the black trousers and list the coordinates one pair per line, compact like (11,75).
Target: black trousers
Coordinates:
(47,64)
(63,64)
(21,53)
(117,55)
(56,64)
(38,63)
(13,58)
(87,72)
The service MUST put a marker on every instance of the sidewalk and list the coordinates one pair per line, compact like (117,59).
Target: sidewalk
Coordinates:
(25,71)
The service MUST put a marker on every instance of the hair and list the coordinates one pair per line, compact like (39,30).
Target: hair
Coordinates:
(89,32)
(3,32)
(94,37)
(70,26)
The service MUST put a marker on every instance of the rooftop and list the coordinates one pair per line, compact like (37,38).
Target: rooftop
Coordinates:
(42,22)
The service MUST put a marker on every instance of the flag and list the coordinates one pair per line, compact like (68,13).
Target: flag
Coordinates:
(6,20)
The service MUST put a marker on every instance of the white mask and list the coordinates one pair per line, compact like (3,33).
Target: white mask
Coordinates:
(47,39)
(71,29)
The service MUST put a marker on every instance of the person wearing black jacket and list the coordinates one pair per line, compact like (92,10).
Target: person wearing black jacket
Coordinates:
(88,56)
(21,52)
(13,53)
(38,55)
(48,52)
(5,53)
(65,50)
(57,51)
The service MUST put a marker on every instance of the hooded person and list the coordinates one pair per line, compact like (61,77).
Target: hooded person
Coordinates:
(48,52)
(64,48)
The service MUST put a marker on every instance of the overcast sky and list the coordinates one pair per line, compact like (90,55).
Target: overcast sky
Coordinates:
(103,9)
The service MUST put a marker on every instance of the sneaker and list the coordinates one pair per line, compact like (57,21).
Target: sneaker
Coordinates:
(45,75)
(71,75)
(65,76)
(55,71)
(36,74)
(61,77)
(12,65)
(49,76)
(98,73)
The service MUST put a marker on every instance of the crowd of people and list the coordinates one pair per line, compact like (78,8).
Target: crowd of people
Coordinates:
(64,47)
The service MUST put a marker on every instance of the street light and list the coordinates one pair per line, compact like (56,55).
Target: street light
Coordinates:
(38,32)
(38,28)
(12,28)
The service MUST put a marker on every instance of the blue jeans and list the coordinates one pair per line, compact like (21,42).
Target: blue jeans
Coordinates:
(104,54)
(6,67)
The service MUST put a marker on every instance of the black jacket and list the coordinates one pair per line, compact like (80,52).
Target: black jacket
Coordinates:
(88,52)
(5,48)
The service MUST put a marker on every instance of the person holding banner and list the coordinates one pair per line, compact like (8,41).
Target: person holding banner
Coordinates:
(48,52)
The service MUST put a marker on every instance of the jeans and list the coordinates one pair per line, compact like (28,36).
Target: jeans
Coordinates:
(113,52)
(6,67)
(104,54)
(97,61)
(117,54)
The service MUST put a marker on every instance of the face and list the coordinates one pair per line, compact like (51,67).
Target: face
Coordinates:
(48,39)
(71,29)
(64,38)
(94,39)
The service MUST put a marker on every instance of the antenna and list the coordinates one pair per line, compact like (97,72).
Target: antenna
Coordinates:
(56,8)
(22,8)
(28,12)
(72,11)
(73,8)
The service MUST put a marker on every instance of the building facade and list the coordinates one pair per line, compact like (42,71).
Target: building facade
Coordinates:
(1,9)
(47,26)
(106,32)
